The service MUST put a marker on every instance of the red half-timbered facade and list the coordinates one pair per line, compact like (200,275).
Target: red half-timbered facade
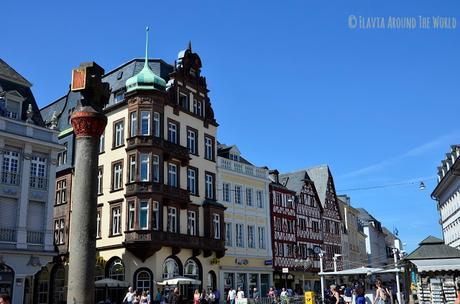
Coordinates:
(331,218)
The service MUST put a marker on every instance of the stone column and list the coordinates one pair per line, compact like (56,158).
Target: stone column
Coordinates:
(88,123)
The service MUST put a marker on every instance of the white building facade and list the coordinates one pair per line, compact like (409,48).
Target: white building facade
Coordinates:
(447,194)
(28,155)
(243,190)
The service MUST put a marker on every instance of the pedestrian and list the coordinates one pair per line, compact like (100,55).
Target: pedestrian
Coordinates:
(283,296)
(203,297)
(158,297)
(211,297)
(129,297)
(217,295)
(144,299)
(136,298)
(335,297)
(255,295)
(272,295)
(5,299)
(360,298)
(231,295)
(348,295)
(196,297)
(174,297)
(382,296)
(240,293)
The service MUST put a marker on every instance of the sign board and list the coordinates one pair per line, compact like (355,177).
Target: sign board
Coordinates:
(78,79)
(268,262)
(285,270)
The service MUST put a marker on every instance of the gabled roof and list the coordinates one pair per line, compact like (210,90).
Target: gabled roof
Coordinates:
(433,248)
(295,180)
(320,176)
(8,73)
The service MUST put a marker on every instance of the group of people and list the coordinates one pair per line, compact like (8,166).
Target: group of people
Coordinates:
(134,297)
(344,294)
(212,296)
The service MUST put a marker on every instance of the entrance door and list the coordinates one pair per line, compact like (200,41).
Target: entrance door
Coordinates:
(6,279)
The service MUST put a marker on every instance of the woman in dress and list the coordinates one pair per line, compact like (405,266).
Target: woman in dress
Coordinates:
(196,297)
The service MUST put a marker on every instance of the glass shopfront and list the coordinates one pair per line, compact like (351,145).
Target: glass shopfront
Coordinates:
(247,282)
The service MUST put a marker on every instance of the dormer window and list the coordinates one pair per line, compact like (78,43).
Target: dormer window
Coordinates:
(234,157)
(119,96)
(10,108)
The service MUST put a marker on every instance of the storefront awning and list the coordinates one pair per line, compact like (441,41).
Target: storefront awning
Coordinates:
(437,265)
(360,270)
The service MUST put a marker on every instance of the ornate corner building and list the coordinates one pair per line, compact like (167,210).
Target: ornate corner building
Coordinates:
(158,216)
(28,155)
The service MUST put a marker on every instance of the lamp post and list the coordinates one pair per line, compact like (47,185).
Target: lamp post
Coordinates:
(336,255)
(321,255)
(398,287)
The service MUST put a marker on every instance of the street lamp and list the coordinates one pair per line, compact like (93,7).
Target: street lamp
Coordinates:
(398,287)
(321,255)
(336,255)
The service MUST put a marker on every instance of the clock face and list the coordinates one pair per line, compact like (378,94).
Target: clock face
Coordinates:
(317,249)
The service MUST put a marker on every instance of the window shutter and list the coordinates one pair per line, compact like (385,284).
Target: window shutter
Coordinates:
(8,211)
(35,216)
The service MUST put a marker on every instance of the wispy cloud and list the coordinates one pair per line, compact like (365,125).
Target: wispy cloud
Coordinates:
(411,153)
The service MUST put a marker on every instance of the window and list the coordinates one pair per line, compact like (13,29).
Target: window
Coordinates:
(119,96)
(209,185)
(131,215)
(10,167)
(156,124)
(12,109)
(144,215)
(228,234)
(261,233)
(133,124)
(116,270)
(102,143)
(62,156)
(172,132)
(116,220)
(237,194)
(119,139)
(117,174)
(170,269)
(38,172)
(208,148)
(251,238)
(132,168)
(191,141)
(156,168)
(172,175)
(172,220)
(191,222)
(234,157)
(249,196)
(197,107)
(226,192)
(145,167)
(259,199)
(183,101)
(59,230)
(239,235)
(143,281)
(100,188)
(192,181)
(98,222)
(216,225)
(155,215)
(145,123)
(191,269)
(61,192)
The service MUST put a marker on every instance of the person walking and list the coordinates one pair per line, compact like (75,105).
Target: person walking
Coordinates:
(283,296)
(231,295)
(240,293)
(196,297)
(174,297)
(217,295)
(360,298)
(335,297)
(382,296)
(129,297)
(144,299)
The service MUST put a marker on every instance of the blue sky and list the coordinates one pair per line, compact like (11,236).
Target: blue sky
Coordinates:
(291,84)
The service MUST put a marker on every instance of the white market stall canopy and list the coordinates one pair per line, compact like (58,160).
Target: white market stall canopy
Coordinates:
(360,270)
(110,283)
(180,281)
(437,265)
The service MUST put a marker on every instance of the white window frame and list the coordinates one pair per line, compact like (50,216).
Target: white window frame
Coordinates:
(38,172)
(228,235)
(261,236)
(116,220)
(251,236)
(144,165)
(209,183)
(131,215)
(156,168)
(238,195)
(145,117)
(156,124)
(132,168)
(118,176)
(172,132)
(98,222)
(133,123)
(226,197)
(119,134)
(239,235)
(208,148)
(172,175)
(191,181)
(216,225)
(155,215)
(100,181)
(191,141)
(144,208)
(260,198)
(10,168)
(172,220)
(249,197)
(191,222)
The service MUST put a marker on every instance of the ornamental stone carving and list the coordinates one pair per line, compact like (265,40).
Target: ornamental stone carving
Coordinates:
(88,124)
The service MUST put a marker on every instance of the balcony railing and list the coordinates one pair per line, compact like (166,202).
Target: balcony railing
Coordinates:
(171,150)
(11,178)
(242,168)
(35,237)
(7,234)
(38,182)
(173,193)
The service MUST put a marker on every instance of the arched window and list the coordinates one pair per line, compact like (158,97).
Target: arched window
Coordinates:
(143,281)
(116,270)
(170,269)
(191,270)
(99,272)
(212,280)
(59,288)
(42,290)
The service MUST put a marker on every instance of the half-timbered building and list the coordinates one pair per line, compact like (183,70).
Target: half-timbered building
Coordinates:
(283,222)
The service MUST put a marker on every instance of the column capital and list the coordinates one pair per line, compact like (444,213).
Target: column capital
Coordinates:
(88,124)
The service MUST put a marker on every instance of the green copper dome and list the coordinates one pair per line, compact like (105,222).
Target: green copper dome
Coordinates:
(146,79)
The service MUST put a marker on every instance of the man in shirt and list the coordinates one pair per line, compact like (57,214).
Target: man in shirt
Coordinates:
(240,293)
(232,295)
(129,297)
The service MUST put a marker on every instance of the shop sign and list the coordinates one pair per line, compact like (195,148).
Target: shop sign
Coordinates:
(215,261)
(268,262)
(285,270)
(241,261)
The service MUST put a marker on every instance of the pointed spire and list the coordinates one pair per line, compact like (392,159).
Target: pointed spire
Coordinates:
(189,47)
(146,46)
